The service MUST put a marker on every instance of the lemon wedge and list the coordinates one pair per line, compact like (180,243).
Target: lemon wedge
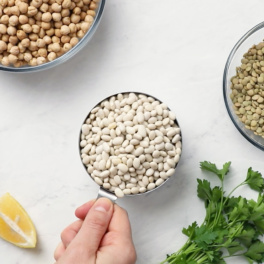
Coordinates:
(16,226)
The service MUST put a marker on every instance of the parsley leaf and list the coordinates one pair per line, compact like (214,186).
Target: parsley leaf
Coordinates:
(254,180)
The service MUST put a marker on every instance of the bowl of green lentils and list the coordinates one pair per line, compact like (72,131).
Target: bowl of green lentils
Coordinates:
(243,85)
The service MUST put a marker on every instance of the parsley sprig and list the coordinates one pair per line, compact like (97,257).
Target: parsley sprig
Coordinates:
(233,226)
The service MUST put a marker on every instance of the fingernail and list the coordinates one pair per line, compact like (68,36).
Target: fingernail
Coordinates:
(103,205)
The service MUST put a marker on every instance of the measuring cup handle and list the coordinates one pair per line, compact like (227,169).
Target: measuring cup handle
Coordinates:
(106,194)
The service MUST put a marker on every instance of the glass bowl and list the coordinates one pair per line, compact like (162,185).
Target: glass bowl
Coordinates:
(66,56)
(245,123)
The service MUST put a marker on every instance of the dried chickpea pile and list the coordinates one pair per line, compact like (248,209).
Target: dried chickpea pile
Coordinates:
(33,32)
(248,89)
(130,143)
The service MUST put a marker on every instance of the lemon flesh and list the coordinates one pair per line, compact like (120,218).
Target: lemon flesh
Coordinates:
(16,226)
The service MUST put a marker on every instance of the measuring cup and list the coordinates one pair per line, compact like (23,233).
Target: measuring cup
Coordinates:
(105,192)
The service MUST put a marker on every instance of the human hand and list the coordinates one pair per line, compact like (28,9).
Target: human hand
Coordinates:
(102,235)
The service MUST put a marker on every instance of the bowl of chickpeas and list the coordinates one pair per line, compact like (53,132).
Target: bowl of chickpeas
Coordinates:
(40,34)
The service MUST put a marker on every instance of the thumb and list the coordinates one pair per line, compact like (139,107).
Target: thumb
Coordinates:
(95,225)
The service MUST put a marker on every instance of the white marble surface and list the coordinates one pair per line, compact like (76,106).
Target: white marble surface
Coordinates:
(173,50)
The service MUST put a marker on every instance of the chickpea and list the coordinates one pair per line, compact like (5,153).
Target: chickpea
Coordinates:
(66,21)
(80,34)
(3,46)
(91,13)
(85,26)
(51,32)
(89,19)
(47,40)
(58,33)
(80,4)
(56,7)
(32,11)
(33,36)
(25,42)
(72,28)
(46,17)
(58,24)
(21,48)
(36,3)
(3,3)
(83,15)
(56,17)
(52,56)
(38,16)
(33,62)
(27,28)
(75,18)
(9,46)
(14,50)
(31,21)
(12,58)
(33,46)
(66,47)
(41,33)
(3,29)
(13,20)
(56,47)
(86,2)
(55,39)
(46,25)
(5,61)
(65,39)
(11,2)
(15,10)
(74,41)
(44,8)
(18,64)
(93,5)
(65,12)
(42,52)
(27,56)
(5,38)
(11,31)
(23,19)
(23,7)
(77,11)
(4,19)
(66,4)
(20,56)
(21,34)
(35,29)
(7,11)
(41,43)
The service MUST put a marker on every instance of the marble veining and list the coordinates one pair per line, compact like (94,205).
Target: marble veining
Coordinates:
(175,51)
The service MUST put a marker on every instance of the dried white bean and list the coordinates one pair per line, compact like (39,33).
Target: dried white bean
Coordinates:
(122,167)
(159,182)
(117,179)
(119,193)
(151,186)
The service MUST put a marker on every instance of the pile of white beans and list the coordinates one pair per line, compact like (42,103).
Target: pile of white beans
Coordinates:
(130,143)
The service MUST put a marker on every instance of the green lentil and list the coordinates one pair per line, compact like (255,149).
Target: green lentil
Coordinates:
(247,89)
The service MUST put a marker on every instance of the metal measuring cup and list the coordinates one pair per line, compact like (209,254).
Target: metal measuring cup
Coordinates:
(102,191)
